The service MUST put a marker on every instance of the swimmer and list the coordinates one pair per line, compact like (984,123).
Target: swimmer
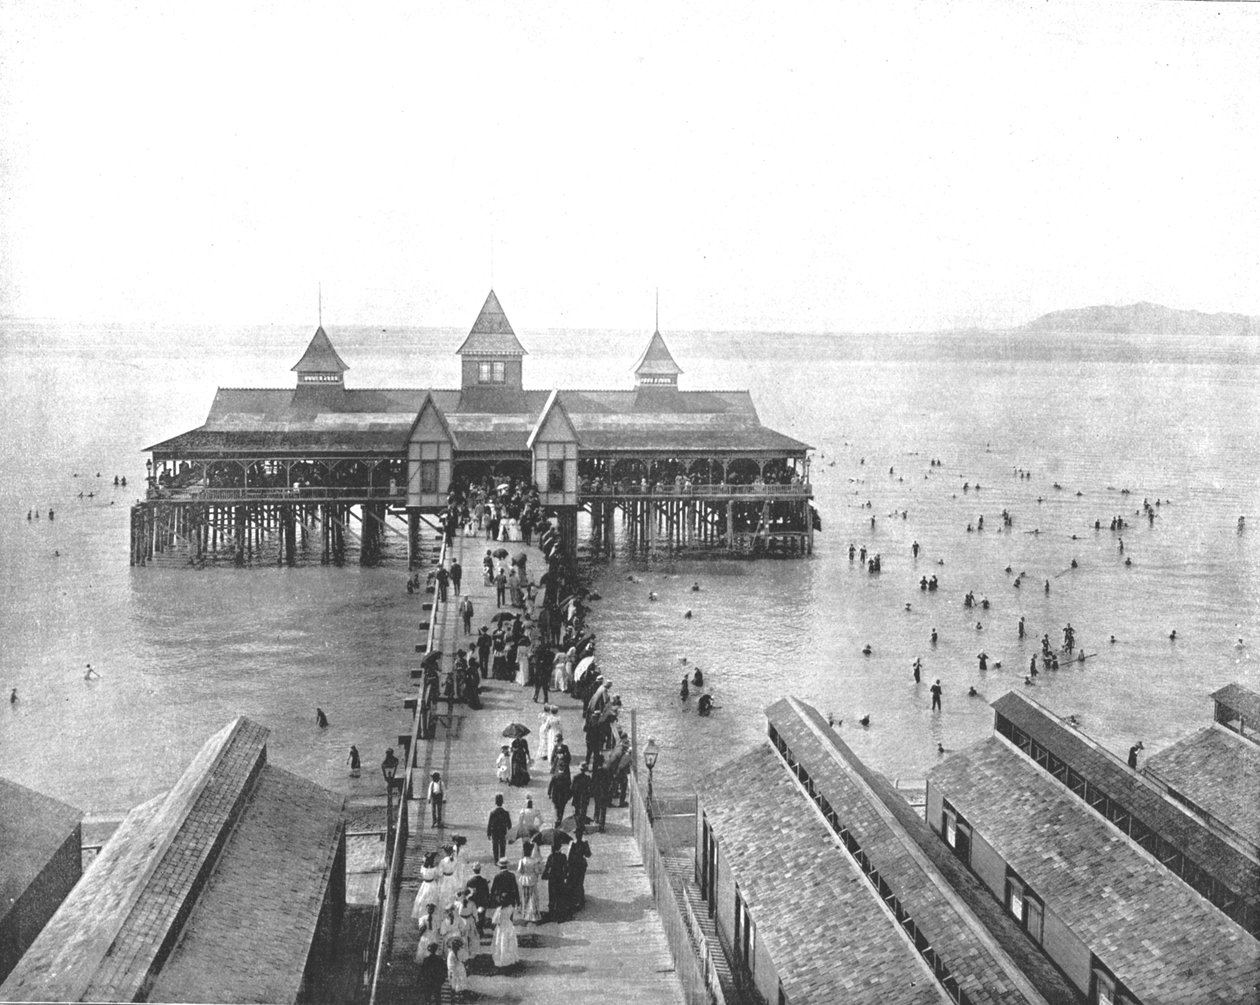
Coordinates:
(697,679)
(90,673)
(867,650)
(1128,561)
(705,705)
(907,607)
(865,720)
(1029,682)
(687,615)
(979,627)
(695,587)
(1047,587)
(1239,644)
(1172,636)
(972,692)
(652,595)
(1112,640)
(13,697)
(684,691)
(321,720)
(933,636)
(1080,658)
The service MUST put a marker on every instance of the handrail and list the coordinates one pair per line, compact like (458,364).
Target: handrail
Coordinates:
(393,871)
(673,492)
(304,493)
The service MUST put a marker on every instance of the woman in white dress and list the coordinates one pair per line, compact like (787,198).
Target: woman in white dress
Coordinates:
(547,723)
(428,892)
(522,663)
(468,925)
(557,673)
(447,887)
(514,530)
(504,950)
(463,868)
(503,766)
(456,972)
(430,924)
(527,871)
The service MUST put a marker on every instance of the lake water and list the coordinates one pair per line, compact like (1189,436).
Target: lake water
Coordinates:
(181,651)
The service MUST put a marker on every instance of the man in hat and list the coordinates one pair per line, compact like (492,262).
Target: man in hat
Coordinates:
(437,797)
(480,890)
(1133,752)
(581,793)
(431,976)
(503,889)
(497,827)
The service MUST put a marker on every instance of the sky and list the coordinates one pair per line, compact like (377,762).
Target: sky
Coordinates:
(881,166)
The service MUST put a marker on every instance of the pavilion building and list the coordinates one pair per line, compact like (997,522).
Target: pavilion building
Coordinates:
(315,466)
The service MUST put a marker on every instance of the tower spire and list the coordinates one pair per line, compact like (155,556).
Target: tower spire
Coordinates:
(320,288)
(658,310)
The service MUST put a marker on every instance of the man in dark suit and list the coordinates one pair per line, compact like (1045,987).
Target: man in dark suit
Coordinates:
(497,828)
(504,890)
(480,896)
(432,976)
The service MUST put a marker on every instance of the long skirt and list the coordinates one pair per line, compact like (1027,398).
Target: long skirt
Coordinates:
(503,950)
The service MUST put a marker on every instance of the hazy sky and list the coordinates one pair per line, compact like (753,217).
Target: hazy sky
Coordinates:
(821,166)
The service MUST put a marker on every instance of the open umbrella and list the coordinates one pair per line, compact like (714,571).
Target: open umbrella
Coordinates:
(432,660)
(584,665)
(547,837)
(515,730)
(502,616)
(500,553)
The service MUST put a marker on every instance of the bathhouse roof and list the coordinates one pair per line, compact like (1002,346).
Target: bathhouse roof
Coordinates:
(236,856)
(1241,700)
(1159,937)
(33,827)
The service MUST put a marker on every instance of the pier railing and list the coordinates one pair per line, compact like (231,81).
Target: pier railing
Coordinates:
(279,493)
(801,490)
(688,944)
(392,880)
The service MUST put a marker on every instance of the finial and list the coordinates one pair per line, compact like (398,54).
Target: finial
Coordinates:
(658,310)
(320,288)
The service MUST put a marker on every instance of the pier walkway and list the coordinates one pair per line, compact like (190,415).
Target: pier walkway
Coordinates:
(612,949)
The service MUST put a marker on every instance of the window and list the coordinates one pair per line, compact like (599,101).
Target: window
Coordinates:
(490,372)
(1024,906)
(555,476)
(1102,988)
(428,476)
(957,832)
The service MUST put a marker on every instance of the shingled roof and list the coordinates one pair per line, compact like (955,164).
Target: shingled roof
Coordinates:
(179,852)
(1241,700)
(491,333)
(657,360)
(1222,858)
(1219,771)
(820,920)
(1160,938)
(991,960)
(33,827)
(320,356)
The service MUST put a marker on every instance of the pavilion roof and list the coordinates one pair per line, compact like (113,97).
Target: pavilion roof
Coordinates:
(491,333)
(657,360)
(320,356)
(379,420)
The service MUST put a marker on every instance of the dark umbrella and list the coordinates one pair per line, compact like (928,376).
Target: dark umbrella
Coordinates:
(500,553)
(502,616)
(515,730)
(548,836)
(432,660)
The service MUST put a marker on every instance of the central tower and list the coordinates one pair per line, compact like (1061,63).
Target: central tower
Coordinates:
(491,354)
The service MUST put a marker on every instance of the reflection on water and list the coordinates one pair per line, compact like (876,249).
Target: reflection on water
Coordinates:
(181,651)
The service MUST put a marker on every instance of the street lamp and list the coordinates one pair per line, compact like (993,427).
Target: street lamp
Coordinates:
(389,768)
(650,753)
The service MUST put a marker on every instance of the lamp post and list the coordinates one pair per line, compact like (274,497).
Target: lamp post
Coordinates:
(650,753)
(389,768)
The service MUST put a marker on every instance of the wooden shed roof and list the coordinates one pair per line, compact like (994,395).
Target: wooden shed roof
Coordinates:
(1240,699)
(820,920)
(1164,941)
(33,827)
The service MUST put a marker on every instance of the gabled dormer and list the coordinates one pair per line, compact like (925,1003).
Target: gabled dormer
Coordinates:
(320,366)
(491,353)
(656,367)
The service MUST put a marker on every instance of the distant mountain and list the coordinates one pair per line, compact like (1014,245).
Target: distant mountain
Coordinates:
(1144,319)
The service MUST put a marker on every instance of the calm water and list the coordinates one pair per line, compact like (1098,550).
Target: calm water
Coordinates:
(181,651)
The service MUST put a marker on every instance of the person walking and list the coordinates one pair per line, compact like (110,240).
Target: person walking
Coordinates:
(559,790)
(556,873)
(457,574)
(579,852)
(431,976)
(936,695)
(581,795)
(443,578)
(437,797)
(1133,754)
(500,588)
(466,613)
(527,870)
(497,827)
(601,790)
(504,949)
(483,650)
(353,759)
(503,889)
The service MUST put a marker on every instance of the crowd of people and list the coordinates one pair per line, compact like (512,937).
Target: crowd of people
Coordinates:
(537,640)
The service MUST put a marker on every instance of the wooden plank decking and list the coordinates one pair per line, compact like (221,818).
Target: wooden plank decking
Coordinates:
(614,948)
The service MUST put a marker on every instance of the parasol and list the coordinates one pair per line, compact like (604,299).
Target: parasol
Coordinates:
(515,730)
(583,665)
(500,553)
(502,616)
(547,837)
